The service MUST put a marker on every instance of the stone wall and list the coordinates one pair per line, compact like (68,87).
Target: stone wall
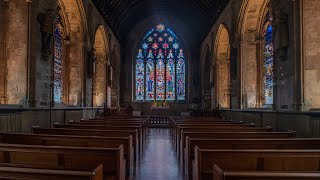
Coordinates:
(26,76)
(311,52)
(244,22)
(306,124)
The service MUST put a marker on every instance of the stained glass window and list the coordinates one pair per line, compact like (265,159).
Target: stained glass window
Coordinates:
(170,77)
(150,76)
(268,66)
(160,81)
(181,76)
(58,62)
(163,61)
(140,76)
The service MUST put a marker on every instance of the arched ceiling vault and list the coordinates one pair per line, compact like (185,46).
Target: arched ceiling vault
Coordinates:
(198,15)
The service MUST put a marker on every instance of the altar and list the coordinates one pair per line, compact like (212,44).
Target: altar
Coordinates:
(160,109)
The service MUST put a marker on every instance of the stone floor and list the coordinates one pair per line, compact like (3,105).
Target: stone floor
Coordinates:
(159,160)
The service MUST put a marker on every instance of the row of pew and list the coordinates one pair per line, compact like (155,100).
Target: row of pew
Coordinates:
(225,150)
(96,149)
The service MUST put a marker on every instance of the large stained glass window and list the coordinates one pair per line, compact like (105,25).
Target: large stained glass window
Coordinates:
(268,66)
(163,61)
(58,61)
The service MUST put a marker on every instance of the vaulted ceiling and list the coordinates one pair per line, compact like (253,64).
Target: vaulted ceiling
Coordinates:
(198,15)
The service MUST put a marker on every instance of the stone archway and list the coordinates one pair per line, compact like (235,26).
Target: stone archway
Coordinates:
(251,17)
(100,77)
(73,13)
(222,62)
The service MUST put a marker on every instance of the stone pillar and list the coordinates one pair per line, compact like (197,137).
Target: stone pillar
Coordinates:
(3,57)
(31,60)
(298,49)
(17,52)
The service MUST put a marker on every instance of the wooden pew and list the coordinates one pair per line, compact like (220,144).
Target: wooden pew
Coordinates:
(73,141)
(92,132)
(144,125)
(181,137)
(253,160)
(233,135)
(106,127)
(48,174)
(217,127)
(288,143)
(65,158)
(219,174)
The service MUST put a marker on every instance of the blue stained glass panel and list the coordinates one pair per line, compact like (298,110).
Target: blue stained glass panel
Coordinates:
(268,67)
(170,79)
(160,75)
(140,77)
(150,79)
(58,52)
(181,77)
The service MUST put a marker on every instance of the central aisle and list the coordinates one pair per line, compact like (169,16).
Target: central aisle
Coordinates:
(159,160)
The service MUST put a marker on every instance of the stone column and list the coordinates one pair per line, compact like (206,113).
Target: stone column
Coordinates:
(3,57)
(298,57)
(31,60)
(17,52)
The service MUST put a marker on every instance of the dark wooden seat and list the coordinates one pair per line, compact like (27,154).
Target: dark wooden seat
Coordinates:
(219,174)
(65,158)
(107,127)
(253,160)
(230,134)
(289,143)
(73,141)
(92,132)
(47,174)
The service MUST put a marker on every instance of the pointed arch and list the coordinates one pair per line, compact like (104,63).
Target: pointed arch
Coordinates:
(73,17)
(222,64)
(99,80)
(160,67)
(250,28)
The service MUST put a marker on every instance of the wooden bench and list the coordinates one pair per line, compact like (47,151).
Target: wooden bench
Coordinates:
(92,132)
(253,160)
(65,158)
(107,127)
(48,174)
(219,174)
(73,141)
(288,143)
(144,125)
(180,142)
(229,135)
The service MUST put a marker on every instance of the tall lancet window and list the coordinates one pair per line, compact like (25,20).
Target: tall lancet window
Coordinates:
(268,67)
(58,61)
(160,67)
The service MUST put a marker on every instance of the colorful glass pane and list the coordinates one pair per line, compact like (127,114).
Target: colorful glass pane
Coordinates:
(170,78)
(150,77)
(140,77)
(268,66)
(160,75)
(181,77)
(164,67)
(58,54)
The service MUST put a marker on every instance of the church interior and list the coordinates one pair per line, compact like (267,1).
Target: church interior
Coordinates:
(159,89)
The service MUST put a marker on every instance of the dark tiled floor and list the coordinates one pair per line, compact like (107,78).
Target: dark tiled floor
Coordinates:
(159,160)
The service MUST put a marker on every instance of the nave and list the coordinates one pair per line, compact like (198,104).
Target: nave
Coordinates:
(159,160)
(164,148)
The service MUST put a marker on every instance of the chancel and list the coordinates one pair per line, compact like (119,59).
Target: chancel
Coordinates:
(160,89)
